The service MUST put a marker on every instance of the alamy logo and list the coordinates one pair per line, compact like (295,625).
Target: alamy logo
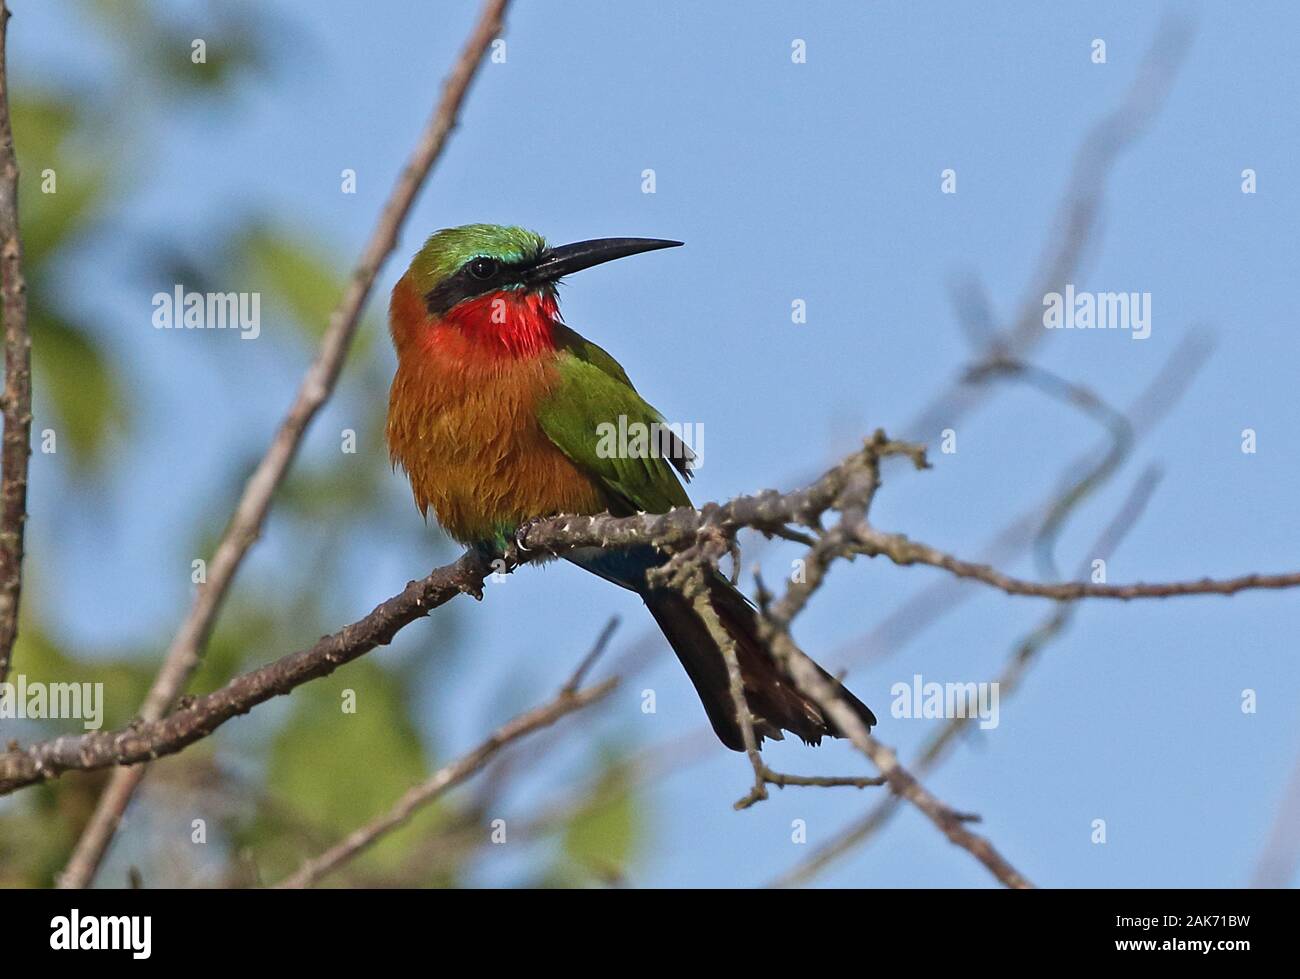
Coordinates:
(102,931)
(36,701)
(920,699)
(181,310)
(1098,311)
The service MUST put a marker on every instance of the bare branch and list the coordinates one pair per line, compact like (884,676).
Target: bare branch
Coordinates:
(196,718)
(1008,682)
(683,527)
(317,385)
(853,499)
(901,550)
(848,487)
(17,398)
(950,822)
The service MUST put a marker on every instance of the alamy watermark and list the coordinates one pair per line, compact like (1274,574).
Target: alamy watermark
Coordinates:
(37,701)
(1098,311)
(920,699)
(181,310)
(676,441)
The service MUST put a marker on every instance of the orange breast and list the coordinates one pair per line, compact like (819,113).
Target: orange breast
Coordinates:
(466,432)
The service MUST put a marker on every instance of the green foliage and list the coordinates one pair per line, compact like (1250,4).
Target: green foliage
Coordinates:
(234,43)
(600,838)
(290,271)
(332,771)
(75,374)
(39,656)
(61,190)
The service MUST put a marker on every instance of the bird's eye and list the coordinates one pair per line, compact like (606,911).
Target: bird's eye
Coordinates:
(483,268)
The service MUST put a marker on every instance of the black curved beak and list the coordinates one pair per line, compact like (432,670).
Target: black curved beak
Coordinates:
(563,259)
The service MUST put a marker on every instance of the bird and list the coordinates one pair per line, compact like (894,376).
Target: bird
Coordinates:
(494,413)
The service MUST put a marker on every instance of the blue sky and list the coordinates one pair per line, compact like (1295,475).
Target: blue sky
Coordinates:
(817,181)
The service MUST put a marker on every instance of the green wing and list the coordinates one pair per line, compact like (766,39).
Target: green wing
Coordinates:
(582,418)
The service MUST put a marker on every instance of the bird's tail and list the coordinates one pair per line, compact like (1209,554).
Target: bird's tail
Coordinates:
(772,696)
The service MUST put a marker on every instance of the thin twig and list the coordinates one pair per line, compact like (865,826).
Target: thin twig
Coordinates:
(588,661)
(17,397)
(183,656)
(765,776)
(699,596)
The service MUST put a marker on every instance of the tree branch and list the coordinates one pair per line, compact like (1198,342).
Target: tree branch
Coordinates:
(847,487)
(901,550)
(17,398)
(853,501)
(196,718)
(317,385)
(684,527)
(1007,683)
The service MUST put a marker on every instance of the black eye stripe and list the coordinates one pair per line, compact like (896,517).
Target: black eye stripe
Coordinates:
(464,284)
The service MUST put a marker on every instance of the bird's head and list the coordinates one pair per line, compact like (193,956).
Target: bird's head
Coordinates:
(493,285)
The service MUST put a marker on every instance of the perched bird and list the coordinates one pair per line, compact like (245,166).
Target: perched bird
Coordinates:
(494,415)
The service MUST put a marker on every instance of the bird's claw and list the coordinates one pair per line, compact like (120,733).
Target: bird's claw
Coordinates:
(521,532)
(516,549)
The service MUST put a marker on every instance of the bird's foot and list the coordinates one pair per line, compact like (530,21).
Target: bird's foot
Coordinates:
(516,550)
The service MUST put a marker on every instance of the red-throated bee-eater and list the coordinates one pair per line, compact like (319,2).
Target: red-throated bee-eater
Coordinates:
(494,414)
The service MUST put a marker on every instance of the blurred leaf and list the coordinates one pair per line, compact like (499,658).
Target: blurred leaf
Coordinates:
(338,770)
(296,275)
(330,492)
(39,829)
(76,375)
(245,637)
(125,677)
(235,43)
(601,836)
(43,128)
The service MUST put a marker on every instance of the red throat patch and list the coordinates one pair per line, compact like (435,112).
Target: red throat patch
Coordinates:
(511,323)
(508,325)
